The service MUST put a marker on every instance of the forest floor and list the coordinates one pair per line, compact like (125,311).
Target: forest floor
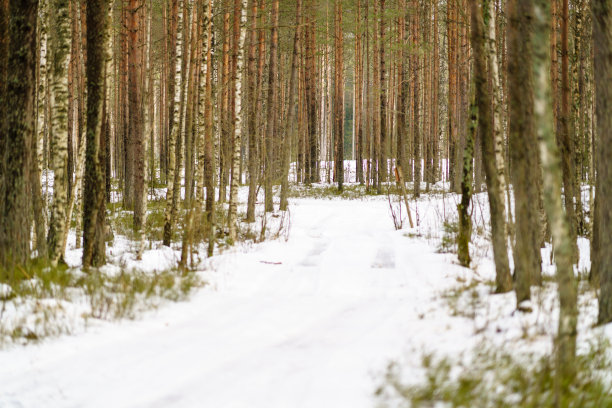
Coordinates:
(314,320)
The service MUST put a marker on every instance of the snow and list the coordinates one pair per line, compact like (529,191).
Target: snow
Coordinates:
(308,322)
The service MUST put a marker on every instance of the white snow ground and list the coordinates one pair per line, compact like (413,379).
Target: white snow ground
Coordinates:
(311,322)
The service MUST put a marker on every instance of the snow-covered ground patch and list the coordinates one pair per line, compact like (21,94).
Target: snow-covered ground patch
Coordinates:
(311,321)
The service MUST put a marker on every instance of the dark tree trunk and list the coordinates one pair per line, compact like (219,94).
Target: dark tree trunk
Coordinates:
(485,126)
(93,194)
(18,130)
(252,113)
(339,96)
(273,85)
(289,126)
(524,159)
(602,239)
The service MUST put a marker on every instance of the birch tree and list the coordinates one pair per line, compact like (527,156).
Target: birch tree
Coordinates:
(484,101)
(240,10)
(60,50)
(175,128)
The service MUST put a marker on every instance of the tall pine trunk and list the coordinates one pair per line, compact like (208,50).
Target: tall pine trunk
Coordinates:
(338,100)
(97,14)
(602,235)
(17,133)
(271,130)
(523,157)
(289,126)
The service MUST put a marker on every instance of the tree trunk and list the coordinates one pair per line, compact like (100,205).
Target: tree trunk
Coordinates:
(549,155)
(36,148)
(383,154)
(485,102)
(252,116)
(524,159)
(17,132)
(209,155)
(339,95)
(312,169)
(289,127)
(564,137)
(272,107)
(240,10)
(465,221)
(97,34)
(498,135)
(175,130)
(602,238)
(416,131)
(60,47)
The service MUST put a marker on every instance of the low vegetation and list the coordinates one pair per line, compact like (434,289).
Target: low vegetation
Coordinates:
(57,300)
(489,376)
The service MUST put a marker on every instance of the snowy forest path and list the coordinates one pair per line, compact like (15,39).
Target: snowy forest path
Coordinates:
(311,322)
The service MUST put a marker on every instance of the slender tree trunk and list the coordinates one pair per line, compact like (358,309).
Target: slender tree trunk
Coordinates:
(60,48)
(136,133)
(36,161)
(339,95)
(484,101)
(18,131)
(416,130)
(289,127)
(272,107)
(498,135)
(175,128)
(240,11)
(312,169)
(4,56)
(252,116)
(225,104)
(564,137)
(383,152)
(435,132)
(524,159)
(465,221)
(209,156)
(549,155)
(358,135)
(602,236)
(94,180)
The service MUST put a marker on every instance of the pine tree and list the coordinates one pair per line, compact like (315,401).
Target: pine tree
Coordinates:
(523,158)
(289,127)
(272,105)
(602,236)
(17,131)
(97,34)
(338,100)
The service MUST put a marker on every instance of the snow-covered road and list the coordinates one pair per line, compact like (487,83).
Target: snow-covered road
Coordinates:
(311,322)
